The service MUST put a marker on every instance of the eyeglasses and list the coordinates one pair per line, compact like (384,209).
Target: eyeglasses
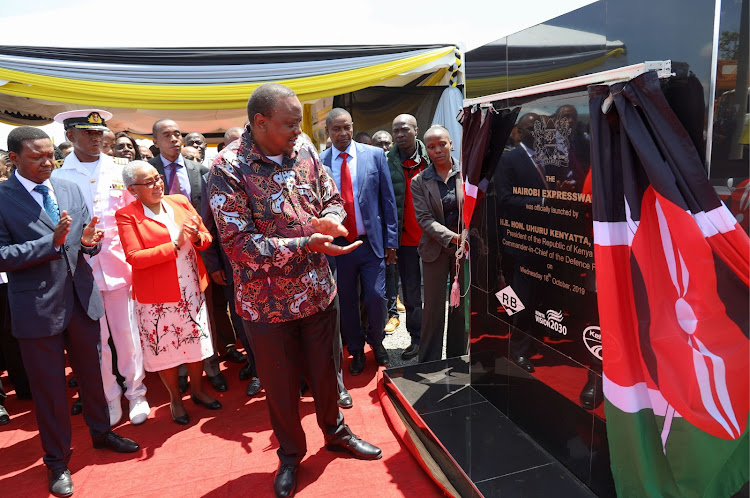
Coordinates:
(150,183)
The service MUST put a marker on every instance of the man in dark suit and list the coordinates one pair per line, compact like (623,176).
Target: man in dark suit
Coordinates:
(520,167)
(55,304)
(364,182)
(183,176)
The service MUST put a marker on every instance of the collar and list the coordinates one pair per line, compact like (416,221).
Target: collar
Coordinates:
(351,150)
(531,153)
(249,152)
(166,162)
(29,185)
(72,162)
(430,173)
(166,209)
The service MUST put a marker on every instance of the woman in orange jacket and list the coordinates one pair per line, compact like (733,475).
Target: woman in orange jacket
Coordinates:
(161,236)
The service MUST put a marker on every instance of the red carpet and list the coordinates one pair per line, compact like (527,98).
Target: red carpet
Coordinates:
(227,453)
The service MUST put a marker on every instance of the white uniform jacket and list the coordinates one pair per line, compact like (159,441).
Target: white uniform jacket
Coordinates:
(104,191)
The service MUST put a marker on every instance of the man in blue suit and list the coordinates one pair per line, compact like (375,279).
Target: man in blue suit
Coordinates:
(45,230)
(364,182)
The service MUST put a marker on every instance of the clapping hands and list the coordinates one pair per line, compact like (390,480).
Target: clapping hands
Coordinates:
(189,231)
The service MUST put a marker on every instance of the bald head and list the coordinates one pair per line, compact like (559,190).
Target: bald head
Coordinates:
(405,133)
(525,128)
(191,153)
(232,134)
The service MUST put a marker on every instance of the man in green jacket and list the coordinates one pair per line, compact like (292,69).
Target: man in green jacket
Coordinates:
(406,160)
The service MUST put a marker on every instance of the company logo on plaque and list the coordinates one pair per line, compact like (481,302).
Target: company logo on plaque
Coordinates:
(552,320)
(592,338)
(509,300)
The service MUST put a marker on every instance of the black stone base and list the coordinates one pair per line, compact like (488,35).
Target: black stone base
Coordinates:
(478,448)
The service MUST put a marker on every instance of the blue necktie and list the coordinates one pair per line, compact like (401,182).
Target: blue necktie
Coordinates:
(50,206)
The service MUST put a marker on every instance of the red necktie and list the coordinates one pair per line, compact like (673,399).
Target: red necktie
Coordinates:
(347,195)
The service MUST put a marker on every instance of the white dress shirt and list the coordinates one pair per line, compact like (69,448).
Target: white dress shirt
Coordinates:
(39,198)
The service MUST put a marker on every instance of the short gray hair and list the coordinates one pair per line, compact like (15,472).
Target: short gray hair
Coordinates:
(263,100)
(130,169)
(335,113)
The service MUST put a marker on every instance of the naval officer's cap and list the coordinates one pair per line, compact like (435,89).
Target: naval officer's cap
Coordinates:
(84,119)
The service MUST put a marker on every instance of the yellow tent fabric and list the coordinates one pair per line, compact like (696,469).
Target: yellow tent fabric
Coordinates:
(198,97)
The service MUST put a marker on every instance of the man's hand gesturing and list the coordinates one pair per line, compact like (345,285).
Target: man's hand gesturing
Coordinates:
(327,226)
(324,243)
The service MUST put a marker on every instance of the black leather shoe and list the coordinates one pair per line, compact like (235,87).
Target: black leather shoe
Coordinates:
(591,395)
(345,399)
(182,420)
(113,441)
(213,405)
(246,372)
(77,407)
(285,481)
(410,352)
(60,482)
(253,387)
(524,363)
(234,356)
(381,355)
(182,383)
(4,417)
(73,382)
(357,365)
(357,447)
(219,382)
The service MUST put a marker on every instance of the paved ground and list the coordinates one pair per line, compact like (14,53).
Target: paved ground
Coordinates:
(398,341)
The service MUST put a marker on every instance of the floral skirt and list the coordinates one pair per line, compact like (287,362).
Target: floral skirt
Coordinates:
(176,333)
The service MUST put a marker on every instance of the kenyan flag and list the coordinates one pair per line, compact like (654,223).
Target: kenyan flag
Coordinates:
(672,279)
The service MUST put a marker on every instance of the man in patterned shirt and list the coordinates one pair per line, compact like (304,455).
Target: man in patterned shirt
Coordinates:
(277,213)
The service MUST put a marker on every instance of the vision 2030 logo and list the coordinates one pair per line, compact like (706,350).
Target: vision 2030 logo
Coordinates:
(552,320)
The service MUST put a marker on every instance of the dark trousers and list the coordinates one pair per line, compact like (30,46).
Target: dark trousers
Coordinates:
(11,354)
(391,289)
(223,333)
(45,361)
(362,266)
(239,327)
(411,287)
(284,352)
(436,274)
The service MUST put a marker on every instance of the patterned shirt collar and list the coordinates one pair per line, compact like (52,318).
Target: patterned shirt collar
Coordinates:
(249,152)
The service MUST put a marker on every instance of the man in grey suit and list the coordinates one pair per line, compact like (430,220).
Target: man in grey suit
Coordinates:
(45,230)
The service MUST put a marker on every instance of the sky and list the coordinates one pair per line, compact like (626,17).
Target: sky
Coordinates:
(192,23)
(78,23)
